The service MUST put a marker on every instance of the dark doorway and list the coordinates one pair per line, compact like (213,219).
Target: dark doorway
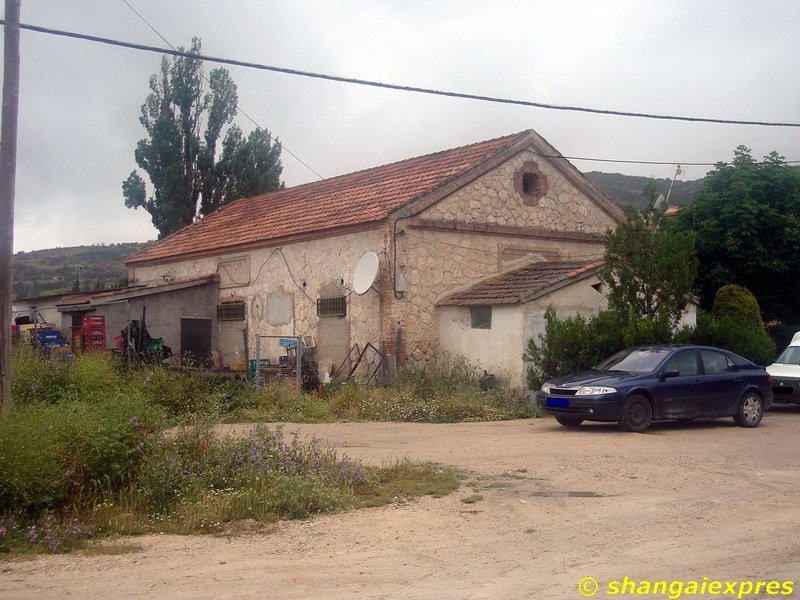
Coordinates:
(196,342)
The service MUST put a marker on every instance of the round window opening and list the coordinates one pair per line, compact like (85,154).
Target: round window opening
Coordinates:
(530,183)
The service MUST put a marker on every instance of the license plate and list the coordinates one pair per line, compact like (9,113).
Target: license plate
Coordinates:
(558,402)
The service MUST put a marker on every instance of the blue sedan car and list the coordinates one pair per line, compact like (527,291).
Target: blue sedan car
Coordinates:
(661,382)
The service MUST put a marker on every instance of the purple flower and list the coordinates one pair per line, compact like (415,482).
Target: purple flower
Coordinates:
(33,534)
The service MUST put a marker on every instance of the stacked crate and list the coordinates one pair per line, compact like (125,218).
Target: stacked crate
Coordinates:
(94,332)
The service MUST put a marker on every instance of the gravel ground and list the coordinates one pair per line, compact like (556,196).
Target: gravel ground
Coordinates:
(675,503)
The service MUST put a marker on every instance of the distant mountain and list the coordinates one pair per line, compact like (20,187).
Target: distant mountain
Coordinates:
(57,270)
(627,189)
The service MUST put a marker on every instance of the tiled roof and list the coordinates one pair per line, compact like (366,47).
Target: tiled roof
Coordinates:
(348,200)
(521,285)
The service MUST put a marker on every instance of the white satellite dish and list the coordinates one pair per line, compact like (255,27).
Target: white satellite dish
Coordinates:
(366,273)
(660,201)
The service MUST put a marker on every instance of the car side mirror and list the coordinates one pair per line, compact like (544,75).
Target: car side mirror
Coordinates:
(671,373)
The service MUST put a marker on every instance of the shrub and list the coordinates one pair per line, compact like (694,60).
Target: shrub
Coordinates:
(572,344)
(738,303)
(735,324)
(730,333)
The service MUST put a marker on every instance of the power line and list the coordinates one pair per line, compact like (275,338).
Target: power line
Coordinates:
(419,90)
(646,162)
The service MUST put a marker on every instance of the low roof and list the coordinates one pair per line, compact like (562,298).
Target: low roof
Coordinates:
(356,199)
(100,297)
(523,284)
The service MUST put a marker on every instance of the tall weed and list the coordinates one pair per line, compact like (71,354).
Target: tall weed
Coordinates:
(52,453)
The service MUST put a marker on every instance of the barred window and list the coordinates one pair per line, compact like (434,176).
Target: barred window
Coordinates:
(230,311)
(332,307)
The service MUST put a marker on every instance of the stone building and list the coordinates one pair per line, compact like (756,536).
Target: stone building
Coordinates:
(439,224)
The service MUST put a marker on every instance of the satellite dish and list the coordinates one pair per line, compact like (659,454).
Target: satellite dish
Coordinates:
(660,201)
(366,273)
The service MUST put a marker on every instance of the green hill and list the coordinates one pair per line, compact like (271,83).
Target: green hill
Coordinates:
(627,189)
(55,271)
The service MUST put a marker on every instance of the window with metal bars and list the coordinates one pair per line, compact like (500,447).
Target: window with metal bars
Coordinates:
(230,311)
(332,307)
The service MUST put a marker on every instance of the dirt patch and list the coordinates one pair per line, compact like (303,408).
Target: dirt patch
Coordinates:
(549,505)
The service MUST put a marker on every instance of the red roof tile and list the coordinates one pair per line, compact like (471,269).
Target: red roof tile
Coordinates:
(355,199)
(520,285)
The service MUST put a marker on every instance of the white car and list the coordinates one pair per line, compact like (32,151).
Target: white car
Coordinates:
(785,372)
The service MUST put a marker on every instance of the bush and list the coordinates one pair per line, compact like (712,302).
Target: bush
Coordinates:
(739,304)
(735,324)
(573,344)
(730,333)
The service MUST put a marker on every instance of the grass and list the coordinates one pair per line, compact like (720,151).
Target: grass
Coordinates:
(90,450)
(442,391)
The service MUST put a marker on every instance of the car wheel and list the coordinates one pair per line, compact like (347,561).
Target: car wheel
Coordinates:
(751,410)
(569,421)
(636,414)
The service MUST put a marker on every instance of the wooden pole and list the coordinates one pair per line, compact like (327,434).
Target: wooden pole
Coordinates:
(8,168)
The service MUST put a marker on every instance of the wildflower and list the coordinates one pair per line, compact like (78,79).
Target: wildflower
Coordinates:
(134,421)
(33,534)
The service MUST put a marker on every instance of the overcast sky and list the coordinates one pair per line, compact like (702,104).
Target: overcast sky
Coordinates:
(80,101)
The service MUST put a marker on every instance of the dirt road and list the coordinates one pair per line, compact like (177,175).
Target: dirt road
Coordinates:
(676,503)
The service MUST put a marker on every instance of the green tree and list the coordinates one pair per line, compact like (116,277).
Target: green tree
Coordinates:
(747,225)
(649,270)
(186,176)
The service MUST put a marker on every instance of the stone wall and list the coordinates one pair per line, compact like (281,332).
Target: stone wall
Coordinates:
(437,260)
(494,199)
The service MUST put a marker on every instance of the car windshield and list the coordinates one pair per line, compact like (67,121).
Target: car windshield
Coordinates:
(790,356)
(636,360)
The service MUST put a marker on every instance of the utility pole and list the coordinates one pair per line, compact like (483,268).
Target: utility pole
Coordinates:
(8,169)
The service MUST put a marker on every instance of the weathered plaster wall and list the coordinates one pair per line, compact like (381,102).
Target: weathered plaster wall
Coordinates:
(496,350)
(281,286)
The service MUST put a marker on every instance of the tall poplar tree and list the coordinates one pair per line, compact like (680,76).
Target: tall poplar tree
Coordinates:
(186,175)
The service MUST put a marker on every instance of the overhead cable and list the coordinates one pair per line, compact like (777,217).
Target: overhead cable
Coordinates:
(419,90)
